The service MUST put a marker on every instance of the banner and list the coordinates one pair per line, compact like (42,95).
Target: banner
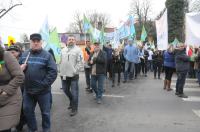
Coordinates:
(55,45)
(162,32)
(44,31)
(193,29)
(143,34)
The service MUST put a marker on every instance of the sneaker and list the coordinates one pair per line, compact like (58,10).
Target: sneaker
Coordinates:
(89,90)
(182,96)
(99,101)
(73,112)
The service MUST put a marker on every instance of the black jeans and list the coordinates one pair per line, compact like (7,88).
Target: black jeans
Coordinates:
(144,67)
(181,76)
(157,68)
(88,76)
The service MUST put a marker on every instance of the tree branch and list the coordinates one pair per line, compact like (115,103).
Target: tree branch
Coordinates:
(6,11)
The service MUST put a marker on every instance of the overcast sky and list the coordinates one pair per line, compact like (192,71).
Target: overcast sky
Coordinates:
(29,17)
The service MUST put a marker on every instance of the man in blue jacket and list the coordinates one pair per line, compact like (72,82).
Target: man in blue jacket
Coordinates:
(40,72)
(131,54)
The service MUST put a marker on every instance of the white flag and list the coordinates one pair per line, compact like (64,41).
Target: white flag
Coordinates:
(193,29)
(162,32)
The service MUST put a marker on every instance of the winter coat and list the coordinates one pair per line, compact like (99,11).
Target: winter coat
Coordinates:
(100,62)
(116,64)
(169,59)
(11,77)
(40,73)
(157,59)
(182,61)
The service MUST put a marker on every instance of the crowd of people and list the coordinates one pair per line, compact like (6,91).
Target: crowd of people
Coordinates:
(26,76)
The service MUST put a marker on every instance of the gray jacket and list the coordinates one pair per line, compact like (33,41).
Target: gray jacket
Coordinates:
(182,61)
(71,61)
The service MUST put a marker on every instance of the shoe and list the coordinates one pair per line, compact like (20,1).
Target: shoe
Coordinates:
(99,101)
(113,85)
(145,75)
(169,89)
(177,93)
(89,91)
(87,88)
(70,107)
(154,77)
(124,81)
(73,112)
(182,96)
(118,84)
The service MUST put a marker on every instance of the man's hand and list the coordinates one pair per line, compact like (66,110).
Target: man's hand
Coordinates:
(3,93)
(23,66)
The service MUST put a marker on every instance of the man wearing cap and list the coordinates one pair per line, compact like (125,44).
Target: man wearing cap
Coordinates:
(182,67)
(40,72)
(98,61)
(71,61)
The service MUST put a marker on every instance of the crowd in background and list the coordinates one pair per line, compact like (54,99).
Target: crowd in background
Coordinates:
(34,71)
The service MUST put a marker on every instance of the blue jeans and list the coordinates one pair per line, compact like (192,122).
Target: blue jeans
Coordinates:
(129,69)
(71,89)
(181,76)
(29,104)
(97,83)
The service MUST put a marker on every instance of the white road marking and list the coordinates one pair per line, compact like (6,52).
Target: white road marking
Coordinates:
(188,84)
(189,89)
(192,99)
(114,96)
(105,95)
(197,112)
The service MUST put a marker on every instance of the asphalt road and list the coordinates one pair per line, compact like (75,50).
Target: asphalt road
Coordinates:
(137,106)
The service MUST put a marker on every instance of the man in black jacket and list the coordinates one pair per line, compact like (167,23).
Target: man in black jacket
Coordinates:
(40,72)
(98,62)
(182,67)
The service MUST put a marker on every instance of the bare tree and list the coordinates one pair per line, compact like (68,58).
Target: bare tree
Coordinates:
(195,6)
(142,9)
(24,38)
(4,11)
(94,17)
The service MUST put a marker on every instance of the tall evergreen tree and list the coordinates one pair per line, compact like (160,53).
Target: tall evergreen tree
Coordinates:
(176,18)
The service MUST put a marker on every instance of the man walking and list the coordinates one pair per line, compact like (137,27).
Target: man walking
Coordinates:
(131,54)
(87,51)
(71,61)
(98,62)
(40,72)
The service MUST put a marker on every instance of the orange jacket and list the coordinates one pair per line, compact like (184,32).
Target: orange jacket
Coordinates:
(85,55)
